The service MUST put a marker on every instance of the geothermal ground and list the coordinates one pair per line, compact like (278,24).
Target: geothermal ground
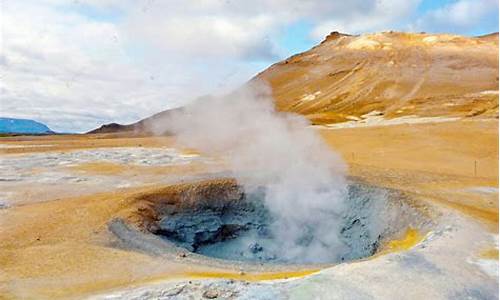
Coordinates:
(87,217)
(122,214)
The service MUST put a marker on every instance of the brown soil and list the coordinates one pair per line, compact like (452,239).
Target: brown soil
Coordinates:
(63,248)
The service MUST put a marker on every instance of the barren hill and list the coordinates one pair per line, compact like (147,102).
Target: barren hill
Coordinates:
(13,126)
(391,73)
(146,125)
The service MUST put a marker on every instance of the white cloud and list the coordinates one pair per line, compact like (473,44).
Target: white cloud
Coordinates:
(457,17)
(377,16)
(77,64)
(212,36)
(244,29)
(71,71)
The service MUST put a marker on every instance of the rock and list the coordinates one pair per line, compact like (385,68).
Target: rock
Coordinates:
(211,294)
(255,248)
(173,292)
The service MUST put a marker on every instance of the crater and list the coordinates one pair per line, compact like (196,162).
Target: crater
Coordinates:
(218,219)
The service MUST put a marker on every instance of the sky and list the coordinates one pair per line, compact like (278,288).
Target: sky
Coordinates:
(77,64)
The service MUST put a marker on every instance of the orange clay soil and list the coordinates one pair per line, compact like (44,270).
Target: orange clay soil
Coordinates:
(397,73)
(62,248)
(102,167)
(74,142)
(444,162)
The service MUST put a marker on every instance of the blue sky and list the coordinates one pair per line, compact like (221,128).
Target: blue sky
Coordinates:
(296,37)
(487,21)
(77,64)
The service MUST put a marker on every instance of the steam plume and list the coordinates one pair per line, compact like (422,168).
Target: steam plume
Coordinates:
(304,179)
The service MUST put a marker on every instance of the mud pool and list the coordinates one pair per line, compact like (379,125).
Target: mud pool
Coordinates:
(239,228)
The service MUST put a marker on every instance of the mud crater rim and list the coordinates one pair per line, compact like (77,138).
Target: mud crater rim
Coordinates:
(231,226)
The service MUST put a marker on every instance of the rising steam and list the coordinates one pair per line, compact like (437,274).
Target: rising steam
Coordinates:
(303,178)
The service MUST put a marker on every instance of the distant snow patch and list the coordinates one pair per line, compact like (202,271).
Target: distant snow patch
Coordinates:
(489,92)
(430,39)
(483,190)
(9,146)
(375,118)
(364,43)
(310,97)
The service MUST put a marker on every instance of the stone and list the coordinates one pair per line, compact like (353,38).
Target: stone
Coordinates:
(173,292)
(255,248)
(211,294)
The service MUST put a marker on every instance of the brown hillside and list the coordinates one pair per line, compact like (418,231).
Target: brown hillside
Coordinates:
(393,73)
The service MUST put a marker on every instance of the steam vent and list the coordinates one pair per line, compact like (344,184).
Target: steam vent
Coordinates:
(363,168)
(238,226)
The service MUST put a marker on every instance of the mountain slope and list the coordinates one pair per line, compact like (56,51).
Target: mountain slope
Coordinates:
(23,126)
(395,73)
(392,73)
(147,125)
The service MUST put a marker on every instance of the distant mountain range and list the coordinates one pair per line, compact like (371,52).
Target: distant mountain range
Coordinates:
(23,126)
